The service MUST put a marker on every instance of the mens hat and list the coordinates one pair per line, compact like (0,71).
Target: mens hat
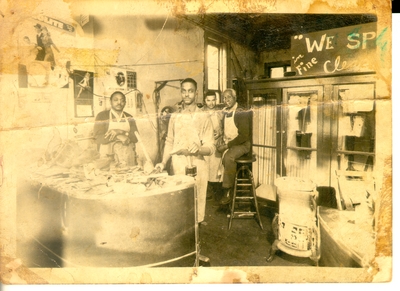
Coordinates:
(37,25)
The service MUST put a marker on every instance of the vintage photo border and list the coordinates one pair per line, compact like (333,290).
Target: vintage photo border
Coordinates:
(381,273)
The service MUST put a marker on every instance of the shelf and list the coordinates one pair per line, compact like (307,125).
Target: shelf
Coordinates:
(264,146)
(356,153)
(301,149)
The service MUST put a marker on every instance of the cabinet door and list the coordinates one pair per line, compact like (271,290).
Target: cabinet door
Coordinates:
(355,143)
(355,127)
(300,127)
(266,107)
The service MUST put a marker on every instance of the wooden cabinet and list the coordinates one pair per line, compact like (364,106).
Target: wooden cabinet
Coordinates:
(324,129)
(312,127)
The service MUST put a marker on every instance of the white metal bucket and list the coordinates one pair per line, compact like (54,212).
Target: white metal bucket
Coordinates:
(297,212)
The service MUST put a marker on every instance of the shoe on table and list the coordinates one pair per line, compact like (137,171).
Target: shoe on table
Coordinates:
(226,199)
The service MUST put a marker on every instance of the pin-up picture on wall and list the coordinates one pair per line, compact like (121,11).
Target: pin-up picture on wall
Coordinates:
(83,84)
(83,93)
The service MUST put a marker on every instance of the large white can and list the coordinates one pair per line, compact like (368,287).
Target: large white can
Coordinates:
(297,222)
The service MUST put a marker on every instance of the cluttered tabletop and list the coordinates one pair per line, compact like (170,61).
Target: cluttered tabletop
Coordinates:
(88,182)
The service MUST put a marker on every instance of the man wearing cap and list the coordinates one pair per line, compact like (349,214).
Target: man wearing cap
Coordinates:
(190,137)
(39,40)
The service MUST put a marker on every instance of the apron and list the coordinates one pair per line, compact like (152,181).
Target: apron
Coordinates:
(230,129)
(123,154)
(215,159)
(187,130)
(230,132)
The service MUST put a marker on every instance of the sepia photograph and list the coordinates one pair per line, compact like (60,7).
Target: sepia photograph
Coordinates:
(153,142)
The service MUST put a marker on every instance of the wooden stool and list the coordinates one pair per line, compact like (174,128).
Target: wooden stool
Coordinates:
(244,184)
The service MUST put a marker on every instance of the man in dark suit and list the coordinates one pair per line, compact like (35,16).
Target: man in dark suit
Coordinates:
(39,40)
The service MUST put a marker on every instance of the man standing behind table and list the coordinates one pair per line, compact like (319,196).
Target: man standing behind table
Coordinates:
(214,184)
(189,139)
(114,131)
(237,134)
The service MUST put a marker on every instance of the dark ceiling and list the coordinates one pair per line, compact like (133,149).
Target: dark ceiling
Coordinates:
(265,32)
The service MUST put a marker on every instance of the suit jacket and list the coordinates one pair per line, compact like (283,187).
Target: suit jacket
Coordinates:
(41,52)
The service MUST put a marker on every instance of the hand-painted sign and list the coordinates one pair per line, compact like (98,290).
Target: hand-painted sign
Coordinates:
(56,23)
(341,50)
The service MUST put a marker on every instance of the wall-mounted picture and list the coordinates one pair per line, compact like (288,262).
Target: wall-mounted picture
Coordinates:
(41,61)
(120,78)
(83,93)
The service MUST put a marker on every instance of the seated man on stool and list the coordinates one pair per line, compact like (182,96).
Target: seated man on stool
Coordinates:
(236,125)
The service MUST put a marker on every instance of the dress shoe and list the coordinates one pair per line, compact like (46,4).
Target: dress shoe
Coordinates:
(210,191)
(226,199)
